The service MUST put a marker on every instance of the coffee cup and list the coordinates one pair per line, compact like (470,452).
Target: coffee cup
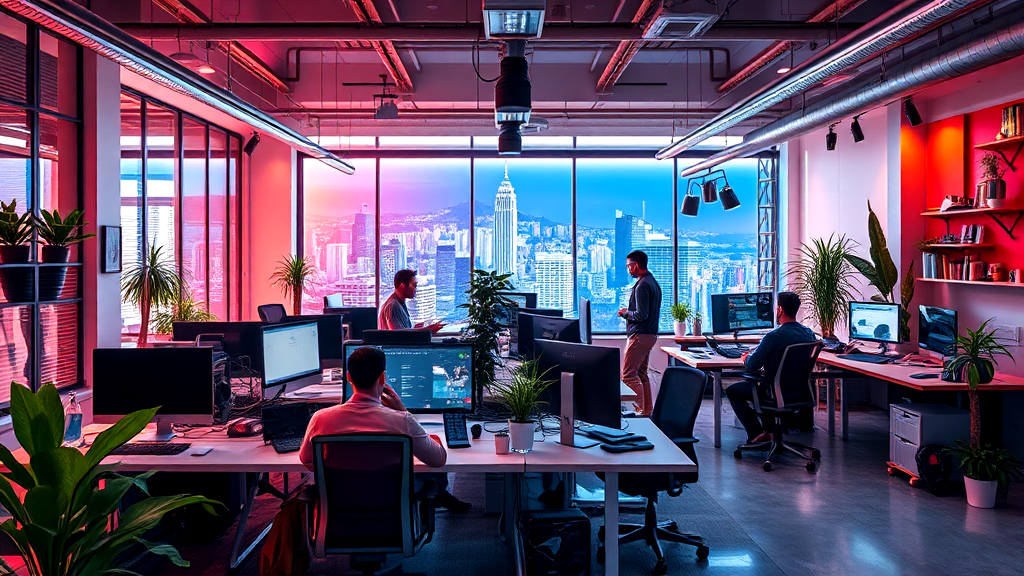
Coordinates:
(501,443)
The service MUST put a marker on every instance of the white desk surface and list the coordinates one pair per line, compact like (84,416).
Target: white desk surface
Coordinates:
(550,456)
(712,361)
(333,393)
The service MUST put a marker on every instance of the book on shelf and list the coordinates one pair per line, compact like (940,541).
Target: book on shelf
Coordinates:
(1011,125)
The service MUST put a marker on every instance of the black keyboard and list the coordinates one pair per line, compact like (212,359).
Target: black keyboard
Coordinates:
(288,444)
(151,449)
(863,357)
(455,433)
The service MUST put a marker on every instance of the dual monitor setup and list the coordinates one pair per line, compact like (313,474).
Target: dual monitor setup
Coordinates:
(880,321)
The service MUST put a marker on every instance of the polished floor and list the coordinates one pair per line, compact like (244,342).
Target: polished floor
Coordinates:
(849,518)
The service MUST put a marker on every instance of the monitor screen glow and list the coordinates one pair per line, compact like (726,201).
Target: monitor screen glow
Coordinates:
(427,377)
(936,329)
(290,352)
(875,322)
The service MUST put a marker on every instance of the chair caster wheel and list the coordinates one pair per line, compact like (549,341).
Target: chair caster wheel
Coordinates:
(891,471)
(661,568)
(600,553)
(703,552)
(816,454)
(738,454)
(767,466)
(812,467)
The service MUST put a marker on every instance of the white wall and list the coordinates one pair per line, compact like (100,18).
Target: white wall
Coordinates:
(269,222)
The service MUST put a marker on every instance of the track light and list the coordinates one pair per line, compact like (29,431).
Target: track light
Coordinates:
(729,199)
(855,129)
(913,116)
(710,192)
(510,140)
(691,204)
(250,145)
(831,138)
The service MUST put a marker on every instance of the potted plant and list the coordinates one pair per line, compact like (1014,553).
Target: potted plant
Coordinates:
(822,276)
(60,510)
(697,317)
(992,187)
(484,305)
(520,396)
(986,469)
(59,234)
(681,312)
(184,310)
(15,231)
(291,276)
(153,281)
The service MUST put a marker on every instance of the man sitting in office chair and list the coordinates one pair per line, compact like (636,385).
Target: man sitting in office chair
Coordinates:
(394,314)
(767,356)
(375,407)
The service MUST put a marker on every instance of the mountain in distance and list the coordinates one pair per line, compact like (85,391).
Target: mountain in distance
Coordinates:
(459,214)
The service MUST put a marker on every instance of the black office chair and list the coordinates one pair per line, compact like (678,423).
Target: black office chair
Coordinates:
(675,412)
(333,303)
(272,313)
(791,390)
(365,505)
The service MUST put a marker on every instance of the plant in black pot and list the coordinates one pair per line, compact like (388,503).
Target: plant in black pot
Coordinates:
(15,231)
(59,234)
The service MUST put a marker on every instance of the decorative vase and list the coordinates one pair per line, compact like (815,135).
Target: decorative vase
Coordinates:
(16,282)
(995,192)
(521,436)
(981,493)
(697,331)
(51,278)
(679,328)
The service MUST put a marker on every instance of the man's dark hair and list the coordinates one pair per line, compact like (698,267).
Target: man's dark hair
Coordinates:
(365,366)
(404,277)
(789,302)
(638,256)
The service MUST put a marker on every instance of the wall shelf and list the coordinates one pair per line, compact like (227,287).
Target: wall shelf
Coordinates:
(992,213)
(1001,146)
(973,282)
(959,247)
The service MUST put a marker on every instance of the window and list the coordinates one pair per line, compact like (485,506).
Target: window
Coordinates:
(39,321)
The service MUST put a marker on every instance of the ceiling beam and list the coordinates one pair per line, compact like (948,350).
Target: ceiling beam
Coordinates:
(645,16)
(367,14)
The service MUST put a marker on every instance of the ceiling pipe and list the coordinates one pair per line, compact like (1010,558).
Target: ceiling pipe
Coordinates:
(624,53)
(829,13)
(894,26)
(958,58)
(367,14)
(83,27)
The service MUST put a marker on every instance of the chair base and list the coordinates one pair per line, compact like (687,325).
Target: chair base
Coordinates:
(653,533)
(777,445)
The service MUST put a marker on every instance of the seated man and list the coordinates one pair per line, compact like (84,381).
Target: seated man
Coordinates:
(767,356)
(394,313)
(375,407)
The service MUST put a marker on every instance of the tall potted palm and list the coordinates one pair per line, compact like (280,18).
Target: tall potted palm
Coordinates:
(154,281)
(15,231)
(291,276)
(822,277)
(59,234)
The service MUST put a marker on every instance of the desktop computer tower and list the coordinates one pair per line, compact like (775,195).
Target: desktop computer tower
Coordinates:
(556,543)
(221,387)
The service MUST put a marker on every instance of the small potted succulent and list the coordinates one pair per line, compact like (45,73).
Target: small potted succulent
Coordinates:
(681,312)
(15,232)
(59,234)
(520,395)
(992,188)
(291,276)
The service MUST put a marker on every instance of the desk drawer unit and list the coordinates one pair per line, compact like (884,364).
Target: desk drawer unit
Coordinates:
(914,425)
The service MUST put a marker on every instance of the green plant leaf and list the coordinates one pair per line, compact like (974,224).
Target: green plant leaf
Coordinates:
(44,507)
(61,468)
(18,473)
(886,269)
(34,416)
(165,550)
(118,434)
(11,502)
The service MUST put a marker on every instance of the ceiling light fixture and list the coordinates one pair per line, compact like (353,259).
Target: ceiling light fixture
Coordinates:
(831,138)
(856,130)
(707,186)
(250,146)
(513,18)
(193,62)
(783,70)
(513,96)
(691,204)
(913,116)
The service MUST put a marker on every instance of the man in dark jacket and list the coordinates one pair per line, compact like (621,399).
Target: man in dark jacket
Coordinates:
(642,318)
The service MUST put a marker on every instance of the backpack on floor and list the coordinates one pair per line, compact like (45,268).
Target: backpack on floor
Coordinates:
(934,466)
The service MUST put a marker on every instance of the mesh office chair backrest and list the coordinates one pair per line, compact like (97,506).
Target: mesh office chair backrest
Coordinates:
(333,301)
(792,386)
(272,313)
(365,488)
(675,411)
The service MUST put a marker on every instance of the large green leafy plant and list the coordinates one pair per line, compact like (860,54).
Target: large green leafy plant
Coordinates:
(290,276)
(821,275)
(973,361)
(881,272)
(60,524)
(520,394)
(62,232)
(484,305)
(986,463)
(14,230)
(184,310)
(152,282)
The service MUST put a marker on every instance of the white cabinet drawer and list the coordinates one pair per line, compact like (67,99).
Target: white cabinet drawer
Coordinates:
(905,424)
(903,453)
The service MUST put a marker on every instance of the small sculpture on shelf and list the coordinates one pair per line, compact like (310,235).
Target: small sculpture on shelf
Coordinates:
(991,190)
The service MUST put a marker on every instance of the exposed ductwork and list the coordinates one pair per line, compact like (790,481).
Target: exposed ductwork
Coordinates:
(894,26)
(367,14)
(645,17)
(958,58)
(83,27)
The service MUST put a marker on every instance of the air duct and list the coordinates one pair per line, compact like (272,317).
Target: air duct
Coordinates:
(83,27)
(891,28)
(960,57)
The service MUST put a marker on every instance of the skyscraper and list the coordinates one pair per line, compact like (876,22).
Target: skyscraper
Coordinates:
(600,256)
(364,231)
(462,272)
(554,281)
(659,261)
(336,266)
(630,234)
(392,259)
(445,280)
(423,308)
(506,226)
(484,248)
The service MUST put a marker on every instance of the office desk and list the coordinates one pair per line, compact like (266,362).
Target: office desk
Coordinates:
(331,392)
(686,342)
(714,365)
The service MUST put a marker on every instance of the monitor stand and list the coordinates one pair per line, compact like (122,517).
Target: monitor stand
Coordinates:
(164,432)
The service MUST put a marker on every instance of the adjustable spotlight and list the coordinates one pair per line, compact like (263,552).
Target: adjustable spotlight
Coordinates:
(831,138)
(855,129)
(729,199)
(913,116)
(691,204)
(250,145)
(710,192)
(510,141)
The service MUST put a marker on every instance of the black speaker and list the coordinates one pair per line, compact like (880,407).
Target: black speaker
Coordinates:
(556,543)
(250,146)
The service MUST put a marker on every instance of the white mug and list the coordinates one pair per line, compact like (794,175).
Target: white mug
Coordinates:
(501,444)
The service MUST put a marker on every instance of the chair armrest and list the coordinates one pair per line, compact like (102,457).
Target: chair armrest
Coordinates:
(753,377)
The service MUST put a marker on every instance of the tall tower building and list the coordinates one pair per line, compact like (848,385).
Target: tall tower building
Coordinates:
(364,231)
(554,281)
(462,272)
(392,259)
(445,280)
(506,226)
(630,234)
(484,248)
(336,266)
(423,308)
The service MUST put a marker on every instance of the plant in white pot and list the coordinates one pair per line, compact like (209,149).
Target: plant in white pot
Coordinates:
(985,470)
(520,395)
(681,312)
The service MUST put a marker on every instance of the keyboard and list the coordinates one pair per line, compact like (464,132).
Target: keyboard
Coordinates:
(863,357)
(287,444)
(455,433)
(151,449)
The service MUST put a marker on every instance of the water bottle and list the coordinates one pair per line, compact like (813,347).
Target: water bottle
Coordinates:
(73,422)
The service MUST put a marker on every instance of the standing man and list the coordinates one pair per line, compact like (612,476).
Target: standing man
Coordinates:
(642,318)
(394,314)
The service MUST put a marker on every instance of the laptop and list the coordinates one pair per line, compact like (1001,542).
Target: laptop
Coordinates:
(284,425)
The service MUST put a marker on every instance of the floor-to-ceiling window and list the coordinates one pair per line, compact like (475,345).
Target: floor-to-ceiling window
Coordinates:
(40,120)
(180,194)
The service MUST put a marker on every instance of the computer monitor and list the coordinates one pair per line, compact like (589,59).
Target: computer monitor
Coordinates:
(178,380)
(738,312)
(429,378)
(241,339)
(291,357)
(421,336)
(523,331)
(522,299)
(875,322)
(561,329)
(586,329)
(596,384)
(357,320)
(936,329)
(330,336)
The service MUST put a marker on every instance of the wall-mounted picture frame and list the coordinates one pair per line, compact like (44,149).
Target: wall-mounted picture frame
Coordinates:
(111,249)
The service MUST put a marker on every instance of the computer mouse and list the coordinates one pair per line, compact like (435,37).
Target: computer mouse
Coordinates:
(923,375)
(476,430)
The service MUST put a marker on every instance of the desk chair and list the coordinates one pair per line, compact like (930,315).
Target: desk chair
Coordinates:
(333,303)
(675,412)
(791,390)
(272,313)
(365,506)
